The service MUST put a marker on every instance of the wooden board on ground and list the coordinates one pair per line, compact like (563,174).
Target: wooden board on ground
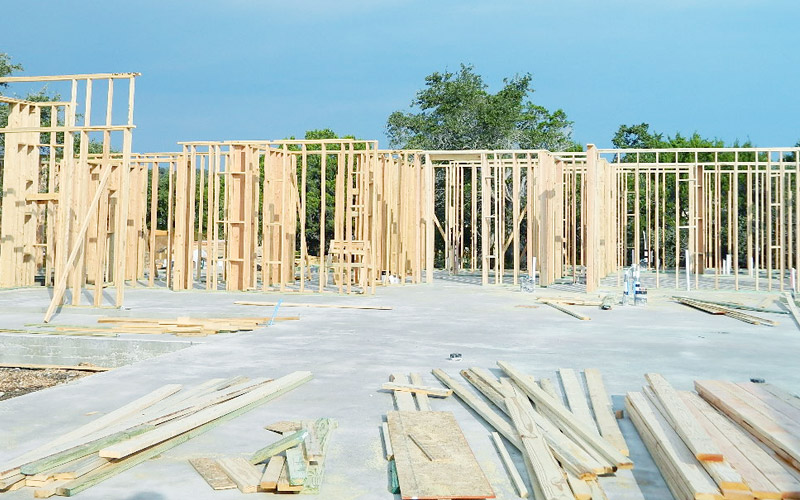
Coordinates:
(246,476)
(212,473)
(456,474)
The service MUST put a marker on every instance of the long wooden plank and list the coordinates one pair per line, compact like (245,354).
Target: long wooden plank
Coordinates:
(422,397)
(241,472)
(565,418)
(481,408)
(757,482)
(563,309)
(113,468)
(576,399)
(296,467)
(283,444)
(545,474)
(269,480)
(782,394)
(572,457)
(70,439)
(212,473)
(728,480)
(176,427)
(325,306)
(456,476)
(673,457)
(417,389)
(771,403)
(783,442)
(769,465)
(603,411)
(404,400)
(695,437)
(511,469)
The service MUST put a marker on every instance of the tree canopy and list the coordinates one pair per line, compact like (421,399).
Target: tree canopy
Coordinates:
(455,111)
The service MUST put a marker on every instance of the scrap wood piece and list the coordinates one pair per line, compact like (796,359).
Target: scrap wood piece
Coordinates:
(284,426)
(296,467)
(241,472)
(508,463)
(421,397)
(269,479)
(526,306)
(567,311)
(784,441)
(565,418)
(212,473)
(545,475)
(387,443)
(34,366)
(458,476)
(283,444)
(680,469)
(418,389)
(302,304)
(678,415)
(756,481)
(580,488)
(283,482)
(316,471)
(316,443)
(603,411)
(766,463)
(572,301)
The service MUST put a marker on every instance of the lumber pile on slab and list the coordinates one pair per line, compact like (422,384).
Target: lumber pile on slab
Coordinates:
(570,450)
(429,457)
(311,304)
(703,454)
(295,463)
(183,326)
(137,432)
(718,309)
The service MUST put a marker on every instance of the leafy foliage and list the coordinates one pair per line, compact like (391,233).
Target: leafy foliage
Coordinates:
(455,111)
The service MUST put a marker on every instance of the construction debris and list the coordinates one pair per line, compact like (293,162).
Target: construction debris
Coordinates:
(303,304)
(565,449)
(565,310)
(137,432)
(703,454)
(713,308)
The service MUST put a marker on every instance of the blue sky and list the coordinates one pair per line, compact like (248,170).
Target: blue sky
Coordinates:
(264,70)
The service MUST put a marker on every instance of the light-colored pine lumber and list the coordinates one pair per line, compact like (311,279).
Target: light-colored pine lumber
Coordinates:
(283,444)
(576,399)
(511,469)
(603,411)
(545,474)
(404,400)
(169,430)
(680,468)
(563,309)
(298,304)
(565,418)
(421,397)
(417,389)
(269,480)
(687,427)
(241,472)
(213,474)
(387,443)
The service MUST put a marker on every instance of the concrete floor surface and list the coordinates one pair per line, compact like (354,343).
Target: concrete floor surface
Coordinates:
(352,352)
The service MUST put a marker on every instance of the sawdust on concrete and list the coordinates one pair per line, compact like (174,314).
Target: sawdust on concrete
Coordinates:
(18,381)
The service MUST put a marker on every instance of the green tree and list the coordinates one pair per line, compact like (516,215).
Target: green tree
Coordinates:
(455,111)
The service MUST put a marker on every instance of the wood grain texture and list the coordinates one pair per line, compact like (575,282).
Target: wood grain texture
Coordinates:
(453,474)
(212,473)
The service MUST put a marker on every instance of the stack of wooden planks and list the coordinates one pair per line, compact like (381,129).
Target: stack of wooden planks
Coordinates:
(570,450)
(429,457)
(183,326)
(137,432)
(294,463)
(731,312)
(706,455)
